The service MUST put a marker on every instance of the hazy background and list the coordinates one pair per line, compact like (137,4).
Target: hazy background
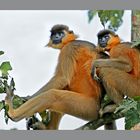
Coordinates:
(23,35)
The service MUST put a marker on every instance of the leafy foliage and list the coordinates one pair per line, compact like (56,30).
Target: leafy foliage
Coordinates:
(7,85)
(91,14)
(130,108)
(2,105)
(17,101)
(111,19)
(5,67)
(1,52)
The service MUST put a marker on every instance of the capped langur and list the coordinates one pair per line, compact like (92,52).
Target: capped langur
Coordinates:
(120,74)
(71,90)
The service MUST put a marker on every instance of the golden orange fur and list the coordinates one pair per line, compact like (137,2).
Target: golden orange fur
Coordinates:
(121,73)
(71,90)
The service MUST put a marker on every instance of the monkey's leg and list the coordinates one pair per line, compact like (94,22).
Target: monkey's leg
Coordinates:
(63,101)
(119,83)
(55,120)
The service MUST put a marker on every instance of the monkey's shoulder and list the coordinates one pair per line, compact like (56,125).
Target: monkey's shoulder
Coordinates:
(82,48)
(126,44)
(123,46)
(81,43)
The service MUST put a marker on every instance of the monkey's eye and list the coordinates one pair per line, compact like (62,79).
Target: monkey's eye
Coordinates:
(57,35)
(100,39)
(61,33)
(106,36)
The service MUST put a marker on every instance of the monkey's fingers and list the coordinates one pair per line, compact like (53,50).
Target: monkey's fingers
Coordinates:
(97,78)
(9,94)
(93,73)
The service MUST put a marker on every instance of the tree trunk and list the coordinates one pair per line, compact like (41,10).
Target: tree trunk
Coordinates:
(135,28)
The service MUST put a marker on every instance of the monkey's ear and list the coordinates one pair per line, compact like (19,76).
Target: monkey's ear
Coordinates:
(116,35)
(71,32)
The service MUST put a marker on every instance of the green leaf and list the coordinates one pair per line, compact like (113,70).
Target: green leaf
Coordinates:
(17,101)
(131,118)
(5,67)
(111,19)
(45,117)
(136,98)
(6,108)
(138,108)
(2,88)
(1,52)
(91,14)
(105,101)
(130,109)
(2,105)
(126,105)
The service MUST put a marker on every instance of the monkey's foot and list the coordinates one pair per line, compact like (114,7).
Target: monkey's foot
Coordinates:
(35,124)
(107,109)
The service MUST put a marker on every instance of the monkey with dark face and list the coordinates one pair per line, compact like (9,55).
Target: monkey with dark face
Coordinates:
(104,38)
(120,74)
(71,90)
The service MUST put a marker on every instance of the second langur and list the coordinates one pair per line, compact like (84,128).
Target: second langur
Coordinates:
(71,90)
(120,74)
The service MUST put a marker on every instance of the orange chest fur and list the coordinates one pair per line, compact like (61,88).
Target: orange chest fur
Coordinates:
(82,81)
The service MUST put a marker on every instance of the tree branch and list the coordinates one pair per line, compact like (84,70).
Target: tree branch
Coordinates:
(106,119)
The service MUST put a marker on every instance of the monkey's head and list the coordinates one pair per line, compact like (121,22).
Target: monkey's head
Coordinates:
(60,36)
(107,38)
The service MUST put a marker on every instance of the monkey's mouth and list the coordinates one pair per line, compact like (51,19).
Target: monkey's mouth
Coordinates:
(103,45)
(56,41)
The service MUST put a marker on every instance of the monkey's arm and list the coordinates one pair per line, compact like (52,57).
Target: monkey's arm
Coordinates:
(121,64)
(118,63)
(64,72)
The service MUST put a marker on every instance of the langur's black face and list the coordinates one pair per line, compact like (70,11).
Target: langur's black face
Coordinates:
(103,39)
(56,37)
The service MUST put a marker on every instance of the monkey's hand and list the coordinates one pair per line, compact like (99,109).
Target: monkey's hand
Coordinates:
(9,102)
(95,77)
(9,96)
(94,73)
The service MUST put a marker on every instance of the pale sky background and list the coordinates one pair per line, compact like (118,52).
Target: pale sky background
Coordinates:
(23,35)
